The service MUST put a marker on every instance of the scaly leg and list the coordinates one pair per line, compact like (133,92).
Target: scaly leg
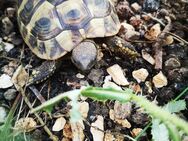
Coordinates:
(42,72)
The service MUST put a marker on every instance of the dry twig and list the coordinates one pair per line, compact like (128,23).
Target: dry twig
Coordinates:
(53,137)
(159,44)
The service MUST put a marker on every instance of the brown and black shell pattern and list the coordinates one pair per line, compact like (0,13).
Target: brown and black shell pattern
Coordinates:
(51,28)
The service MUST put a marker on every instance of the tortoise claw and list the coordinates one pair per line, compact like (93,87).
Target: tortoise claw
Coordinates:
(42,72)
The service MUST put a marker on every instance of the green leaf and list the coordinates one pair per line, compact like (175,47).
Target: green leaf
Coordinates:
(49,109)
(159,131)
(75,114)
(103,94)
(175,106)
(48,105)
(173,132)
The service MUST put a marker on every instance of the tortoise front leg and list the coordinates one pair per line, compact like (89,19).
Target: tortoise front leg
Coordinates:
(42,72)
(121,47)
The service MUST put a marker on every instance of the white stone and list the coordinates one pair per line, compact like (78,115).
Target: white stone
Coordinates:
(84,109)
(97,134)
(140,75)
(148,57)
(3,114)
(59,124)
(160,80)
(136,7)
(8,46)
(79,75)
(117,75)
(130,32)
(5,81)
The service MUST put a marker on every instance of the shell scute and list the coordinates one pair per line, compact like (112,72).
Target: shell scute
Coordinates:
(73,15)
(99,8)
(51,28)
(45,23)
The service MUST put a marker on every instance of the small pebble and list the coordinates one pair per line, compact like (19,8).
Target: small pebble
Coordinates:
(117,75)
(5,81)
(136,21)
(140,117)
(109,136)
(124,123)
(79,75)
(10,94)
(164,12)
(140,75)
(136,7)
(26,124)
(151,5)
(107,78)
(127,27)
(136,131)
(11,12)
(122,111)
(184,71)
(114,2)
(123,9)
(96,75)
(98,135)
(148,57)
(84,83)
(84,109)
(168,40)
(59,124)
(20,77)
(77,130)
(111,85)
(146,17)
(172,63)
(8,46)
(3,114)
(10,68)
(153,32)
(67,132)
(129,32)
(160,80)
(7,25)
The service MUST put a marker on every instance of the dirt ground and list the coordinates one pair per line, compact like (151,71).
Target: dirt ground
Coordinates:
(155,29)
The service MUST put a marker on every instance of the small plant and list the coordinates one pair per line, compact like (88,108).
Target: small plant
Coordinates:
(165,125)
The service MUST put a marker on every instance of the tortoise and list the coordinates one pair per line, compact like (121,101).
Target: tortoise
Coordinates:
(52,28)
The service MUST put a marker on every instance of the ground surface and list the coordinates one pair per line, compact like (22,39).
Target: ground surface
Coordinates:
(173,63)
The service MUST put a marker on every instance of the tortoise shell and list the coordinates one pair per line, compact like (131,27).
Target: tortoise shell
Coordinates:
(51,28)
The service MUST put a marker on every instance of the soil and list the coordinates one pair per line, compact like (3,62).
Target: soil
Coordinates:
(66,77)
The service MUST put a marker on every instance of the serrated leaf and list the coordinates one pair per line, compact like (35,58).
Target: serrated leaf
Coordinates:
(49,109)
(173,132)
(159,131)
(175,106)
(103,94)
(75,115)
